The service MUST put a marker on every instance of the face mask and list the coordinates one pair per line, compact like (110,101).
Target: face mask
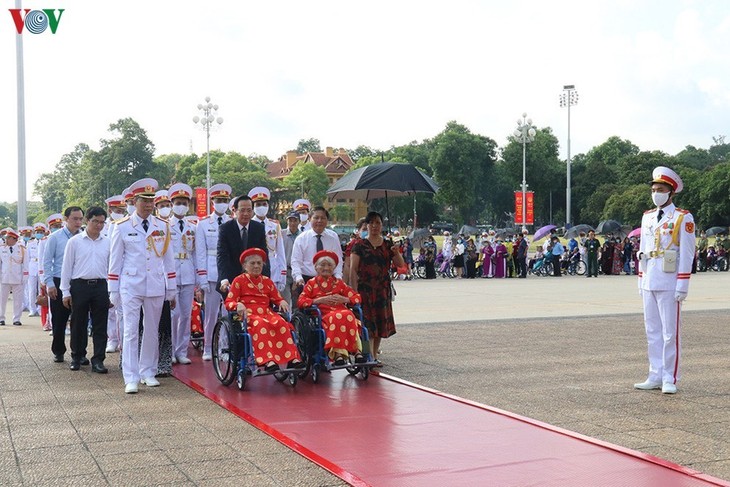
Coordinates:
(220,208)
(55,229)
(180,210)
(164,212)
(364,234)
(130,209)
(116,216)
(659,198)
(261,211)
(39,236)
(26,239)
(303,217)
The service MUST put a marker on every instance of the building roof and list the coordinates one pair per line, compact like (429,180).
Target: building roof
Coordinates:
(338,163)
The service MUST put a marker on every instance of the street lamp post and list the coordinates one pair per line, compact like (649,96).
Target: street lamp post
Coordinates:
(209,112)
(525,132)
(568,98)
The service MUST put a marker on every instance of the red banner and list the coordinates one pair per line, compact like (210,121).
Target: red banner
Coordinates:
(201,202)
(529,210)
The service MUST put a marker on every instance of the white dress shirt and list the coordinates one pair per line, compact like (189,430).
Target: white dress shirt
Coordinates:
(84,258)
(305,246)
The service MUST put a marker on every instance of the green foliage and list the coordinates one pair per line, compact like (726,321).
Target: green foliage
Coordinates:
(627,206)
(342,213)
(309,180)
(308,145)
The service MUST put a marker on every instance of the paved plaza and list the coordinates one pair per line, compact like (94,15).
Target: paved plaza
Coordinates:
(564,351)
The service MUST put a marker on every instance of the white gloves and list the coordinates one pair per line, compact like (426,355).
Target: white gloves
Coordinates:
(680,296)
(116,299)
(280,286)
(171,295)
(204,286)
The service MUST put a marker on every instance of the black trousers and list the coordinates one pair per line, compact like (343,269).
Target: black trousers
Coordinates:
(88,299)
(59,318)
(556,265)
(521,267)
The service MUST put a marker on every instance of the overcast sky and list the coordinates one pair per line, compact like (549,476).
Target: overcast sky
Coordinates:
(377,72)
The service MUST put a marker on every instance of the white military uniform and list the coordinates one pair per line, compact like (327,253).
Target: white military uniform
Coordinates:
(142,270)
(31,287)
(115,317)
(675,231)
(13,276)
(183,247)
(277,256)
(206,254)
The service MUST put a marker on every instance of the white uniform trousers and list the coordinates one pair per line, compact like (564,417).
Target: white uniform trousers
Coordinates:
(141,364)
(213,302)
(662,321)
(181,320)
(31,293)
(18,293)
(113,336)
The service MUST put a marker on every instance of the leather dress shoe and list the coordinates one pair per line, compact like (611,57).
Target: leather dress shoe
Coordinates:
(74,365)
(648,385)
(131,388)
(99,368)
(58,358)
(17,323)
(669,388)
(84,361)
(2,323)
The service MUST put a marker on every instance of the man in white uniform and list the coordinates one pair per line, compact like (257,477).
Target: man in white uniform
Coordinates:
(665,263)
(206,252)
(117,209)
(141,277)
(13,275)
(31,287)
(302,207)
(183,245)
(260,197)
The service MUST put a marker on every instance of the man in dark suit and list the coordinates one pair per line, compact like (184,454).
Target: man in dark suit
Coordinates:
(235,236)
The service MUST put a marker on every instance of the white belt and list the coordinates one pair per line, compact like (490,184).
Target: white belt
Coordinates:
(212,252)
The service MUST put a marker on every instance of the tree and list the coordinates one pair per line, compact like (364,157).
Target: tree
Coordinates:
(459,161)
(308,145)
(310,180)
(629,205)
(53,187)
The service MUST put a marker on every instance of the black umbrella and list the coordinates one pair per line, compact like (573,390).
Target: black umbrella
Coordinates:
(715,231)
(380,181)
(574,231)
(418,236)
(608,226)
(468,230)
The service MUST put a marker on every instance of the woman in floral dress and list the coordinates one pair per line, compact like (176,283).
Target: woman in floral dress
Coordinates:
(370,263)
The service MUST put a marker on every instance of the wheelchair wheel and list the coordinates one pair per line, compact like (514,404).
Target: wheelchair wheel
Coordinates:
(241,379)
(306,340)
(580,268)
(315,373)
(225,358)
(293,379)
(280,376)
(353,370)
(365,373)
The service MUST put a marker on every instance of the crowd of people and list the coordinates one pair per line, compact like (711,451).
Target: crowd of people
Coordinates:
(136,274)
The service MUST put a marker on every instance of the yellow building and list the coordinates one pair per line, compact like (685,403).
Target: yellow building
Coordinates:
(335,163)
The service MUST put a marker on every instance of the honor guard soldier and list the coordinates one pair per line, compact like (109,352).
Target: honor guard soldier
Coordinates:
(206,252)
(31,286)
(13,275)
(53,223)
(302,206)
(260,197)
(128,196)
(163,206)
(665,262)
(117,209)
(183,246)
(141,278)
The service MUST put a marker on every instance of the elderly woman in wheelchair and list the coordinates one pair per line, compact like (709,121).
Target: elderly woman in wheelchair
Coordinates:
(332,296)
(251,295)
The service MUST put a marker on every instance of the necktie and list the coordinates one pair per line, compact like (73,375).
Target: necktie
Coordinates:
(660,214)
(182,224)
(319,243)
(11,249)
(220,220)
(244,237)
(302,228)
(145,225)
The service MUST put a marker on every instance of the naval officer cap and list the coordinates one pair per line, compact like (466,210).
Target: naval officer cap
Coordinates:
(54,219)
(144,188)
(666,176)
(161,195)
(116,200)
(180,190)
(302,204)
(259,193)
(220,190)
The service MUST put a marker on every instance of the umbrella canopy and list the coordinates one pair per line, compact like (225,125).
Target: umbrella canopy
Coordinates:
(608,226)
(381,181)
(575,230)
(543,232)
(715,231)
(418,236)
(469,230)
(636,232)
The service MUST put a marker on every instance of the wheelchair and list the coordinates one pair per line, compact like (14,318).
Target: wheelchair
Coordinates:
(233,354)
(308,325)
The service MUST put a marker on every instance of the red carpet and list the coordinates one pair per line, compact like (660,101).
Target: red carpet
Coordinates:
(387,432)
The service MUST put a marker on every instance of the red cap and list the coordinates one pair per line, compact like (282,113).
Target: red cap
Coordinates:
(325,253)
(253,251)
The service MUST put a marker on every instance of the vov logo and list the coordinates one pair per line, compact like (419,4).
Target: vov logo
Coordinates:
(36,21)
